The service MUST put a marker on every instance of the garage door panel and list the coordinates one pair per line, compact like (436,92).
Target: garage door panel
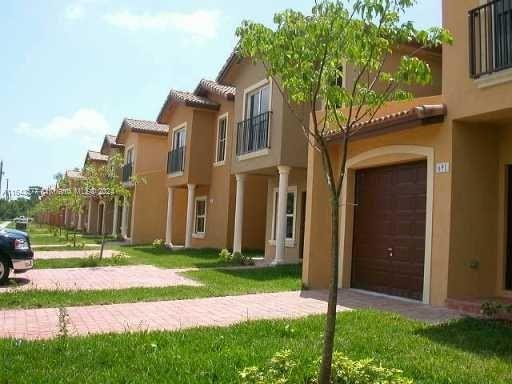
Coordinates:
(389,230)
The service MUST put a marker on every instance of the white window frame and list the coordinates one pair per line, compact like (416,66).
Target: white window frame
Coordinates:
(131,149)
(196,234)
(289,242)
(254,87)
(247,91)
(128,149)
(180,127)
(218,162)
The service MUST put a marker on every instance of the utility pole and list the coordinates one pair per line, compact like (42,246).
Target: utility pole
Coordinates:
(1,175)
(7,189)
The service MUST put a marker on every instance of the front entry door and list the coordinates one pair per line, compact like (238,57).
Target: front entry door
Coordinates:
(388,253)
(508,282)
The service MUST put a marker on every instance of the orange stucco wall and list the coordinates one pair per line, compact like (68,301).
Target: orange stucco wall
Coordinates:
(435,137)
(462,94)
(149,195)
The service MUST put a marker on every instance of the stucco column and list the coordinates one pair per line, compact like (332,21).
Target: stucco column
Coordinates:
(282,197)
(168,227)
(115,218)
(79,224)
(190,215)
(89,213)
(124,219)
(239,212)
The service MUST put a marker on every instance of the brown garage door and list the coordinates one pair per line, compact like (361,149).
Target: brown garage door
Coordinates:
(389,229)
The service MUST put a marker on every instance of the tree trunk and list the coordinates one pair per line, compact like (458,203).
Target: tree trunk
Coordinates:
(74,238)
(102,246)
(330,323)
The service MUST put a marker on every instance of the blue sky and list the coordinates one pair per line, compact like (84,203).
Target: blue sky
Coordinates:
(70,71)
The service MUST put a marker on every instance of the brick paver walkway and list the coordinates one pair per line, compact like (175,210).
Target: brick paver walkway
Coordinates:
(182,314)
(99,278)
(90,247)
(81,254)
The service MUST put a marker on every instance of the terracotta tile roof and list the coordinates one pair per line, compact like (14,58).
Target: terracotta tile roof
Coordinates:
(232,59)
(417,115)
(225,91)
(188,99)
(110,141)
(96,156)
(145,126)
(72,174)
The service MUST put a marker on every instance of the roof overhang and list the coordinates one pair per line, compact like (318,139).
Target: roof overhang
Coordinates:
(399,121)
(173,99)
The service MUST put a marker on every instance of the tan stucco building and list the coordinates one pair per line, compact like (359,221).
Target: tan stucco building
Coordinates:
(143,172)
(94,209)
(425,203)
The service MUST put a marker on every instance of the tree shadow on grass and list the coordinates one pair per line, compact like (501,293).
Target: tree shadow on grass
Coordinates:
(262,274)
(483,338)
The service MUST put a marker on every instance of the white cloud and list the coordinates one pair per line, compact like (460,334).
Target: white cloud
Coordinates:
(85,125)
(201,24)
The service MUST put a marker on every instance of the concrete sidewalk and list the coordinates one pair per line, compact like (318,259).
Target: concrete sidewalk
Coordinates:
(37,324)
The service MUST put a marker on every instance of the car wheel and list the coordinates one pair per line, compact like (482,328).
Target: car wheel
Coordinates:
(4,271)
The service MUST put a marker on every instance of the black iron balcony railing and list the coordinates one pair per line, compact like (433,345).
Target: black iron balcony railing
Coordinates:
(127,172)
(490,38)
(253,134)
(176,160)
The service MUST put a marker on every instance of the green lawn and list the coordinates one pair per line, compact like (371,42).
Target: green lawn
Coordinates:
(43,235)
(462,352)
(217,282)
(159,257)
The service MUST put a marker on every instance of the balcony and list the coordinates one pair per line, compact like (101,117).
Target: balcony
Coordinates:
(127,172)
(176,161)
(490,38)
(253,134)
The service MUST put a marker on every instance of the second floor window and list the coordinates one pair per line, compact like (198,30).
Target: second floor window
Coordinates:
(257,102)
(176,157)
(221,139)
(129,156)
(178,139)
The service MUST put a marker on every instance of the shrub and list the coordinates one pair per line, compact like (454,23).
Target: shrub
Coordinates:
(346,371)
(159,243)
(91,261)
(120,258)
(278,370)
(282,370)
(236,258)
(494,309)
(225,256)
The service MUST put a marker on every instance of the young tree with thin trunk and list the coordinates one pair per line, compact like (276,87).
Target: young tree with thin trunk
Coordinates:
(72,198)
(104,183)
(308,56)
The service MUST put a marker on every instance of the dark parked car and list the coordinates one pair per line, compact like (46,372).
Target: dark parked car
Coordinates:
(15,253)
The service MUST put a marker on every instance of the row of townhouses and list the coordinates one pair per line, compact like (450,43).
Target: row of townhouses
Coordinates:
(427,204)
